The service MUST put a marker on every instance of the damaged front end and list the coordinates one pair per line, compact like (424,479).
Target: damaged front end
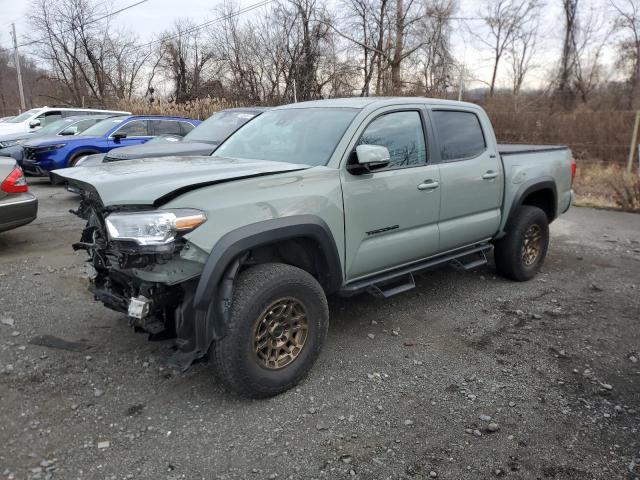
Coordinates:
(143,266)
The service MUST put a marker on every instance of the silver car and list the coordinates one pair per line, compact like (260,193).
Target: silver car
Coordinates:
(17,206)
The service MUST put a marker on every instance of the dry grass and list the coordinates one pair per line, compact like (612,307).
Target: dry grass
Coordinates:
(199,109)
(601,136)
(607,186)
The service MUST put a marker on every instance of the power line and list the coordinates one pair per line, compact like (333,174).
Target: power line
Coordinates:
(195,28)
(111,14)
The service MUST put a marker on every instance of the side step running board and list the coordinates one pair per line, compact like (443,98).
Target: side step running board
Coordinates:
(401,280)
(403,284)
(471,261)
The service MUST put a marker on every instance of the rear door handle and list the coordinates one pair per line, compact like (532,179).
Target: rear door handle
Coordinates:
(490,175)
(428,185)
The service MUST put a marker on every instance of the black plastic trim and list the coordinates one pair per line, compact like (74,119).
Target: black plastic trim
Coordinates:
(363,285)
(531,186)
(254,235)
(551,148)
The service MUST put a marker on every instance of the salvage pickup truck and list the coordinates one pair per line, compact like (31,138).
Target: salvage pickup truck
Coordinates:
(235,254)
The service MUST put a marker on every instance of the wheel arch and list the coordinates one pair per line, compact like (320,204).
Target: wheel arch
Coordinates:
(79,152)
(214,289)
(539,192)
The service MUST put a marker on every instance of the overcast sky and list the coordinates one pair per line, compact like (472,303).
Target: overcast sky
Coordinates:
(154,16)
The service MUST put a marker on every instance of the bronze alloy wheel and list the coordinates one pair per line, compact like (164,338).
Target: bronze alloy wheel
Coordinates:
(280,333)
(531,245)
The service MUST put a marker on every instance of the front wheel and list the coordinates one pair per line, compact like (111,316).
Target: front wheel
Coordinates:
(520,254)
(278,324)
(73,160)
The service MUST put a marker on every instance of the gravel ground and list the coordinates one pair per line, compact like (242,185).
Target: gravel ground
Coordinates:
(469,376)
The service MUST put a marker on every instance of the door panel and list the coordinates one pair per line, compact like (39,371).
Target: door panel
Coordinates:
(472,186)
(391,214)
(389,221)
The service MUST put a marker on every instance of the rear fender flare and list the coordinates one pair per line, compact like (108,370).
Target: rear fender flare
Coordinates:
(529,187)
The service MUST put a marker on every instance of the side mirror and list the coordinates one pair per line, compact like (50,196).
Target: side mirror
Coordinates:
(118,136)
(67,132)
(370,158)
(34,123)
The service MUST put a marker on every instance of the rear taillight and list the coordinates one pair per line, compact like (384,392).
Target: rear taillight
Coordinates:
(15,182)
(573,169)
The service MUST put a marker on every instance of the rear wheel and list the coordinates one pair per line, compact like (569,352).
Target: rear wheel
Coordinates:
(279,322)
(520,254)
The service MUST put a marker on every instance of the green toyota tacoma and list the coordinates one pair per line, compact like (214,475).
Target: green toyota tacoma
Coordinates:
(234,254)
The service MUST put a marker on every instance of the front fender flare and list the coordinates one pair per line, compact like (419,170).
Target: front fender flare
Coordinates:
(214,290)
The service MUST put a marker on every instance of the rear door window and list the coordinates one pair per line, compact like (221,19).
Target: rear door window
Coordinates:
(459,134)
(166,127)
(135,128)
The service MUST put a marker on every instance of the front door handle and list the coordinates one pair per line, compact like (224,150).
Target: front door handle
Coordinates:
(428,185)
(490,175)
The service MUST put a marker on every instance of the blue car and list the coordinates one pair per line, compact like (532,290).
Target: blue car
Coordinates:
(43,154)
(11,144)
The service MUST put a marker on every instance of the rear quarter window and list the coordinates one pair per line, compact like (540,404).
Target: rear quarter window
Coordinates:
(459,134)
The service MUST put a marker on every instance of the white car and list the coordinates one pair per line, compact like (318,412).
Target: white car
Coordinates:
(40,117)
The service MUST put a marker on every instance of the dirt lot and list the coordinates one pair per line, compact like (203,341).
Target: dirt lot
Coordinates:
(404,388)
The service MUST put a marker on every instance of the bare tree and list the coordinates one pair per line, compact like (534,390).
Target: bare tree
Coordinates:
(405,39)
(366,19)
(83,52)
(504,19)
(434,59)
(184,58)
(628,21)
(125,64)
(569,57)
(591,40)
(521,52)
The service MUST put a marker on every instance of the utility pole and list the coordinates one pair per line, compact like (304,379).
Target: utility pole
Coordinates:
(461,83)
(17,60)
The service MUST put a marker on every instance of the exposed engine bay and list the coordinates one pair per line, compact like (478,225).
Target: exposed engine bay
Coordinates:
(150,306)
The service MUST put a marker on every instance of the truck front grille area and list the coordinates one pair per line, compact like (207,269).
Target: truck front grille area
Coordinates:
(30,153)
(113,284)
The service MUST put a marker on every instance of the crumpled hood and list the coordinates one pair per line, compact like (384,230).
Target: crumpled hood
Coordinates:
(158,150)
(155,181)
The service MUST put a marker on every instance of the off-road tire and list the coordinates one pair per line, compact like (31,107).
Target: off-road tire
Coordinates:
(509,250)
(234,357)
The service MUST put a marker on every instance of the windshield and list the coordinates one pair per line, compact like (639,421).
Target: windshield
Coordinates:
(54,127)
(218,127)
(306,136)
(24,116)
(102,128)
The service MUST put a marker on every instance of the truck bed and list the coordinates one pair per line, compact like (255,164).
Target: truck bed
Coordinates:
(515,148)
(525,163)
